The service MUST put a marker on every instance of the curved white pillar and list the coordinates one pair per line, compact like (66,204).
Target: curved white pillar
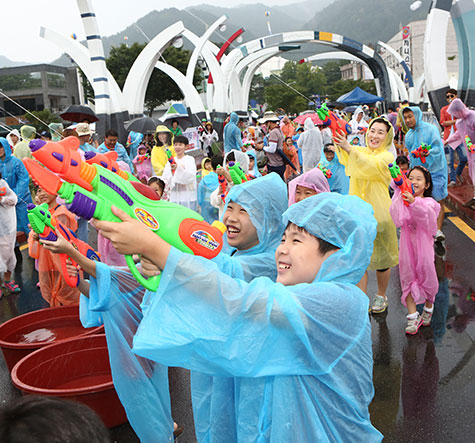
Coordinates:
(139,75)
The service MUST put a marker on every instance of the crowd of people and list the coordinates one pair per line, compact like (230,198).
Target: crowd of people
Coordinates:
(275,329)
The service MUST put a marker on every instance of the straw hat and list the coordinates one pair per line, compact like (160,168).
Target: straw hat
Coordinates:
(269,117)
(83,129)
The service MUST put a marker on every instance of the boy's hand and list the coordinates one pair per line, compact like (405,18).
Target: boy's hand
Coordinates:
(173,166)
(220,170)
(73,271)
(149,269)
(407,196)
(60,246)
(129,236)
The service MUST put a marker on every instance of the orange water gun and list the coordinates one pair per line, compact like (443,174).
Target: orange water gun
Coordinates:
(107,160)
(400,180)
(3,191)
(331,120)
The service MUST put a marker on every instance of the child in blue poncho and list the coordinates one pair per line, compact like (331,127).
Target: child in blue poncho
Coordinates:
(302,370)
(339,181)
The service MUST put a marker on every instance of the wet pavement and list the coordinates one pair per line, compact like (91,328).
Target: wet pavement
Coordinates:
(424,384)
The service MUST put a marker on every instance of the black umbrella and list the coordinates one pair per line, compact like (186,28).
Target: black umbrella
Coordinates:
(79,113)
(143,125)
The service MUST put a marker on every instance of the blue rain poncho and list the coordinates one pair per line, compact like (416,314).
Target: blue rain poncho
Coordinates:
(266,216)
(141,384)
(255,171)
(232,134)
(15,174)
(339,181)
(207,185)
(302,369)
(133,141)
(435,161)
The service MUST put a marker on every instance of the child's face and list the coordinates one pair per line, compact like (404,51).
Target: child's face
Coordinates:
(418,182)
(289,142)
(251,163)
(179,148)
(155,186)
(208,166)
(142,151)
(301,193)
(329,155)
(43,197)
(241,233)
(404,167)
(297,258)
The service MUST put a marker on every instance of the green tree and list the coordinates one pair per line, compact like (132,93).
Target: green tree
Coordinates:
(341,87)
(45,116)
(161,88)
(331,70)
(257,89)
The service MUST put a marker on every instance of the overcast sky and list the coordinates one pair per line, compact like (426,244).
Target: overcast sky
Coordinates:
(22,19)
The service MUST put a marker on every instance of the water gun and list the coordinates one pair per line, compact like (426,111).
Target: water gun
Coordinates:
(223,185)
(237,174)
(326,171)
(417,153)
(331,120)
(142,158)
(3,191)
(400,180)
(91,190)
(171,159)
(469,144)
(46,226)
(108,161)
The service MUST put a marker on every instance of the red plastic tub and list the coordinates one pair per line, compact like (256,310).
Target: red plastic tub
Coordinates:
(77,369)
(26,333)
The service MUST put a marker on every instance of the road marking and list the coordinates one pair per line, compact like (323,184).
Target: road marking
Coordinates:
(466,229)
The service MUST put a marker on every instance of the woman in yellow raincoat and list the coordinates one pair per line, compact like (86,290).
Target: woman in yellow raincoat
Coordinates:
(163,140)
(367,168)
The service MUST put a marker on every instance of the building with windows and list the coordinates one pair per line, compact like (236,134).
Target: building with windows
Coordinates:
(37,87)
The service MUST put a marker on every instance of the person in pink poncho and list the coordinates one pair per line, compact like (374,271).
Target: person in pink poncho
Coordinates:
(416,215)
(143,164)
(465,134)
(310,183)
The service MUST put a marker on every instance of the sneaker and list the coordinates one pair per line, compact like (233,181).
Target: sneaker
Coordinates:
(11,286)
(426,317)
(413,325)
(439,236)
(379,304)
(439,248)
(452,184)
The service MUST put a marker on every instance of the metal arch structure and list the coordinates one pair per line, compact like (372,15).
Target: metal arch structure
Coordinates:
(363,52)
(435,54)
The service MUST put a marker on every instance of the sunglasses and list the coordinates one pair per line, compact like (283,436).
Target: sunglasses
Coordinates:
(450,96)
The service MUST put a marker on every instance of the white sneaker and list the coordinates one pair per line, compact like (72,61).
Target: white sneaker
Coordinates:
(439,236)
(413,325)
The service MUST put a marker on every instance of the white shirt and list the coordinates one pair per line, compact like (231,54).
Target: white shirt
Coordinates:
(182,183)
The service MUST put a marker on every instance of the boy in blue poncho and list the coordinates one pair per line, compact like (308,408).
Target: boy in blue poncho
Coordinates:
(435,162)
(111,144)
(133,142)
(339,181)
(302,369)
(15,174)
(232,134)
(116,300)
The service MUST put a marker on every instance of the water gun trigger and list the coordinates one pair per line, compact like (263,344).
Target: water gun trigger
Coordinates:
(150,283)
(43,177)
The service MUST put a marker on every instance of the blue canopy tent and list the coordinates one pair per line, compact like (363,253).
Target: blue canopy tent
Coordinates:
(358,97)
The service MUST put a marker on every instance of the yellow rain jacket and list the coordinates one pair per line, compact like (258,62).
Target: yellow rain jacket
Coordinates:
(22,149)
(369,180)
(159,152)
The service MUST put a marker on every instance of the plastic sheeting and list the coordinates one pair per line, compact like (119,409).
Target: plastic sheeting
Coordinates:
(54,288)
(436,162)
(313,179)
(311,143)
(300,366)
(207,185)
(22,149)
(7,229)
(369,180)
(232,134)
(142,385)
(418,223)
(133,141)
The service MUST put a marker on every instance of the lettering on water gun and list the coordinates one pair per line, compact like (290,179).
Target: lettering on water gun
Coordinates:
(108,161)
(91,190)
(237,174)
(171,159)
(326,171)
(331,120)
(420,151)
(469,144)
(3,191)
(400,180)
(46,226)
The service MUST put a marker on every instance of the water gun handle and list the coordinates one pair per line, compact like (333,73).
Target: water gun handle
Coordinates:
(150,283)
(71,280)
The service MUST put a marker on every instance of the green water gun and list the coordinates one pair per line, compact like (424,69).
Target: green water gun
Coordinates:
(469,144)
(237,174)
